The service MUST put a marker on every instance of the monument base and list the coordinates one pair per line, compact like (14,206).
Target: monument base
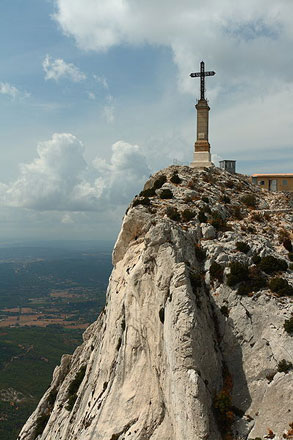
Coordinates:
(201,159)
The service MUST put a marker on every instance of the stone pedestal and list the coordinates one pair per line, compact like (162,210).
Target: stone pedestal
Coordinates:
(202,155)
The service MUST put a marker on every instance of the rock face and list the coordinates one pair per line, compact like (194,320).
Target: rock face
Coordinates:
(192,342)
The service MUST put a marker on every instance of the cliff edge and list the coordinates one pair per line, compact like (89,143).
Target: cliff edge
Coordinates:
(195,341)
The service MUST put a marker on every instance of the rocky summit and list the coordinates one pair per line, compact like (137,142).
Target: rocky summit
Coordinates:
(196,339)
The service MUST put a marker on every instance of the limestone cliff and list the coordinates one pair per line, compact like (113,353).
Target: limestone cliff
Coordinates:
(195,341)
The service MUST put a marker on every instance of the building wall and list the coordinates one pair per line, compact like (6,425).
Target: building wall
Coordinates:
(268,182)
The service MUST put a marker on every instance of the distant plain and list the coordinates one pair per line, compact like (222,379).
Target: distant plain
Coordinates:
(49,293)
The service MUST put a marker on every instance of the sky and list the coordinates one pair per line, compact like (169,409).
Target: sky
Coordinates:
(95,96)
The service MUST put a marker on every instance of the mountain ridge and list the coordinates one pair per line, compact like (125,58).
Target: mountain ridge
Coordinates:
(193,341)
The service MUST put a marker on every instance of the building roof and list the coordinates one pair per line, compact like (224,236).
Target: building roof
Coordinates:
(273,175)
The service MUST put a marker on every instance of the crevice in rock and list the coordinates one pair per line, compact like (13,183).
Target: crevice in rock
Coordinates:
(124,430)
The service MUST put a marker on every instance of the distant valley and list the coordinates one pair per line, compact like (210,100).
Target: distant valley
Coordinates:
(49,293)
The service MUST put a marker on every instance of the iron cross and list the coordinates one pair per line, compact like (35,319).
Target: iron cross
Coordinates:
(202,75)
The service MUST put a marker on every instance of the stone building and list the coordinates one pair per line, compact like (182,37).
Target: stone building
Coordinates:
(228,165)
(274,182)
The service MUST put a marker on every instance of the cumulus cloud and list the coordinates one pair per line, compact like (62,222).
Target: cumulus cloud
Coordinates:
(57,68)
(250,40)
(12,91)
(59,178)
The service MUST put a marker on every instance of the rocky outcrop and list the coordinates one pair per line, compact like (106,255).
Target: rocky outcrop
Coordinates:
(192,342)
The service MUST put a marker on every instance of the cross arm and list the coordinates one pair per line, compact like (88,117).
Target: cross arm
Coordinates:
(197,74)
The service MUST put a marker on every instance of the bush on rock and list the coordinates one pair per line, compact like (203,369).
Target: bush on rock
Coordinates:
(271,264)
(281,287)
(242,247)
(173,214)
(166,194)
(217,272)
(238,273)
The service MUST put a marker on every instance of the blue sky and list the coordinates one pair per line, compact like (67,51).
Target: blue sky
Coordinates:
(103,90)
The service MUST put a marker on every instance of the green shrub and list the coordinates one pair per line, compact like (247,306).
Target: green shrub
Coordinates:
(249,200)
(242,247)
(255,282)
(287,243)
(144,202)
(70,402)
(150,192)
(175,178)
(209,178)
(173,214)
(166,194)
(284,366)
(205,199)
(202,217)
(283,235)
(225,199)
(73,388)
(159,182)
(207,209)
(75,384)
(290,256)
(229,184)
(281,287)
(217,271)
(288,325)
(257,217)
(199,253)
(41,424)
(271,264)
(236,212)
(188,215)
(256,259)
(222,406)
(244,289)
(218,222)
(222,402)
(238,273)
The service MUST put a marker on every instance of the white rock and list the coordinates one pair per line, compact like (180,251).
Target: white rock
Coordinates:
(208,232)
(154,358)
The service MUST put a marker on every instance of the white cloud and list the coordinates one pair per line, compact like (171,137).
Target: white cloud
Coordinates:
(102,80)
(59,178)
(246,42)
(124,175)
(216,159)
(12,91)
(67,219)
(58,68)
(91,96)
(109,109)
